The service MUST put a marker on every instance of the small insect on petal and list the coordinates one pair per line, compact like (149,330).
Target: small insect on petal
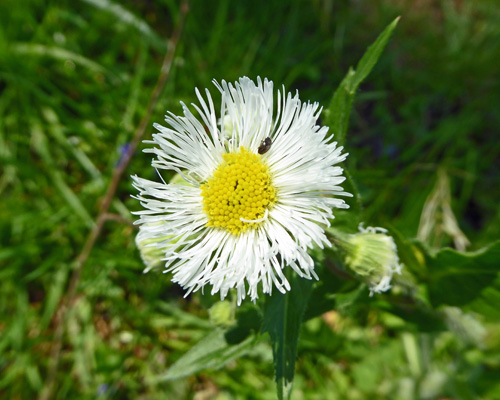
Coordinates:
(265,145)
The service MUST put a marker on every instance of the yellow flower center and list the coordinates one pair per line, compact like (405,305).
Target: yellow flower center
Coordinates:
(239,193)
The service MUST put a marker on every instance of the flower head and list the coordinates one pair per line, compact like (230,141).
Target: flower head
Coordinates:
(258,191)
(372,254)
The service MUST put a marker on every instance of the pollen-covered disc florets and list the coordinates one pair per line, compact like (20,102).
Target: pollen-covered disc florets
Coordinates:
(239,193)
(259,182)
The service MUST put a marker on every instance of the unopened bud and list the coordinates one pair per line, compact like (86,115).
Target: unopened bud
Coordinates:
(222,314)
(151,250)
(372,254)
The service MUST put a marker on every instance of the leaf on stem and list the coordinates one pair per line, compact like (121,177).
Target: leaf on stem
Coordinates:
(339,111)
(282,319)
(213,351)
(456,279)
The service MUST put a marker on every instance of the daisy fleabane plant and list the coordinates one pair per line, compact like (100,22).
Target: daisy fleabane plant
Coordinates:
(259,182)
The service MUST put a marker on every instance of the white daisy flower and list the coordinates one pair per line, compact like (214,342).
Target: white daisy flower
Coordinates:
(258,190)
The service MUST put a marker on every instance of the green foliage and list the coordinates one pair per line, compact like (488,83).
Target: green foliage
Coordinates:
(213,351)
(456,279)
(283,319)
(339,111)
(75,78)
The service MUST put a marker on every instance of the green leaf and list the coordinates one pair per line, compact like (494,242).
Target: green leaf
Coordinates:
(248,322)
(487,303)
(457,279)
(339,111)
(213,351)
(41,146)
(282,319)
(416,315)
(58,53)
(54,294)
(70,197)
(372,54)
(58,133)
(129,18)
(332,281)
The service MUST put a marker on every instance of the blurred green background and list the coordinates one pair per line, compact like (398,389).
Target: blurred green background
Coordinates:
(75,79)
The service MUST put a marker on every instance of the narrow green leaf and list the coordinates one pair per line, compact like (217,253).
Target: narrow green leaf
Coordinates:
(59,53)
(372,54)
(282,319)
(457,278)
(54,295)
(41,146)
(33,377)
(129,18)
(71,198)
(183,318)
(213,351)
(338,113)
(57,132)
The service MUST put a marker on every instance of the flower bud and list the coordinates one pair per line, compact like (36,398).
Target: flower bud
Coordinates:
(151,253)
(372,254)
(222,314)
(150,242)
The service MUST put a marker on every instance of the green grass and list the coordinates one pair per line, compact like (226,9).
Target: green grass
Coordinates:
(75,79)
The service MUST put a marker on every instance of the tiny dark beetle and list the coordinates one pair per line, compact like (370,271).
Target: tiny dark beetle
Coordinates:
(265,145)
